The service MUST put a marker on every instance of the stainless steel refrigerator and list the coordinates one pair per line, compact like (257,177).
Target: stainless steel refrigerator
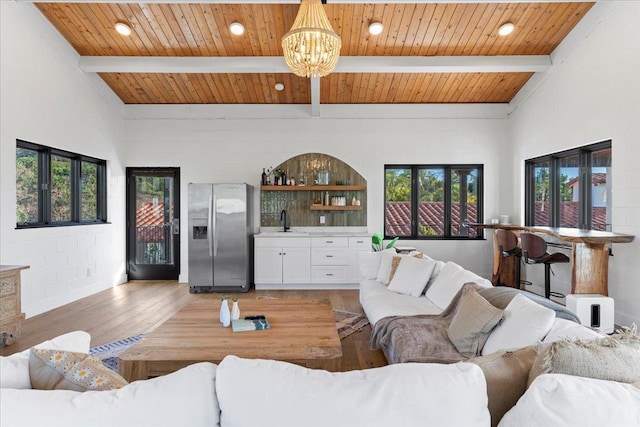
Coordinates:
(220,235)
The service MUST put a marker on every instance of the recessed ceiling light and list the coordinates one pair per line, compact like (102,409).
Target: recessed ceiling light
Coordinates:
(236,28)
(123,28)
(279,86)
(375,28)
(506,29)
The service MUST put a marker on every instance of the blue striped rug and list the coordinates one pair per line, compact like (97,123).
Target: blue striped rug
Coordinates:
(109,353)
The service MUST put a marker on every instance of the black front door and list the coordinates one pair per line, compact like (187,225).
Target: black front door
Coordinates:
(153,223)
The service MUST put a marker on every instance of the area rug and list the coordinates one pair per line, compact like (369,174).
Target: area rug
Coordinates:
(109,353)
(347,323)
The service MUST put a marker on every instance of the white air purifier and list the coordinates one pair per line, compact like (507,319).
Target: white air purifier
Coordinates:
(594,311)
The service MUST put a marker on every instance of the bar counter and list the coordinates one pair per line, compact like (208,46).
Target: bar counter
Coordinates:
(589,255)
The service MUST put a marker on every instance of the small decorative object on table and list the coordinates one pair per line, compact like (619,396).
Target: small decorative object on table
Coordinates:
(225,315)
(235,310)
(243,325)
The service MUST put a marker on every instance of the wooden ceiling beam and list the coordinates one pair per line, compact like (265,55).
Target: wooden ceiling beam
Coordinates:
(347,64)
(328,1)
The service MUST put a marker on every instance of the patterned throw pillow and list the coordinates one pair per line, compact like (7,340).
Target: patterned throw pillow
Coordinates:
(612,358)
(65,370)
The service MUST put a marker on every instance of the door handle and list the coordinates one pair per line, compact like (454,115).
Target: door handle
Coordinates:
(176,225)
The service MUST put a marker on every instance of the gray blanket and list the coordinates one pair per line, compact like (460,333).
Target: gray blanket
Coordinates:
(421,338)
(424,338)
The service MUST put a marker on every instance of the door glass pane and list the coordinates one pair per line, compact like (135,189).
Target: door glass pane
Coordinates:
(60,189)
(26,185)
(89,189)
(397,217)
(154,218)
(601,190)
(431,202)
(569,192)
(541,194)
(464,198)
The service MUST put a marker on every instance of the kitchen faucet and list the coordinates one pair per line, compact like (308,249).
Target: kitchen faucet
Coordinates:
(283,219)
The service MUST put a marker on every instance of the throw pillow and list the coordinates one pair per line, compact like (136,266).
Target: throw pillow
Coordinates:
(506,374)
(369,263)
(472,323)
(449,281)
(411,276)
(15,368)
(384,270)
(525,323)
(613,358)
(396,262)
(64,370)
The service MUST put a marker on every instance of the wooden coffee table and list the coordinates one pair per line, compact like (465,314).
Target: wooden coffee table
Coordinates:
(303,331)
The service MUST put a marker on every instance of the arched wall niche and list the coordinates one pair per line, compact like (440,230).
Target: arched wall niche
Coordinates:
(305,204)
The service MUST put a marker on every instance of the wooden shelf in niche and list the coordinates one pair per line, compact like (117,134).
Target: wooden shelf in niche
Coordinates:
(334,208)
(314,188)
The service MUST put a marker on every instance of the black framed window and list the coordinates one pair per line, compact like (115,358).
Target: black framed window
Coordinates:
(433,201)
(570,188)
(56,187)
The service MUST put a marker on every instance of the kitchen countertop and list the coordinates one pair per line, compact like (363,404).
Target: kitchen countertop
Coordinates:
(302,232)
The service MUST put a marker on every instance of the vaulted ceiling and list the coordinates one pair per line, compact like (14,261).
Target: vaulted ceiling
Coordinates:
(184,53)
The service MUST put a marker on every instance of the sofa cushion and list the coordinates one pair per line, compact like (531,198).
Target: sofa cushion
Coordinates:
(411,276)
(615,358)
(66,370)
(473,321)
(448,283)
(525,323)
(506,374)
(15,368)
(185,397)
(255,392)
(565,329)
(379,302)
(564,400)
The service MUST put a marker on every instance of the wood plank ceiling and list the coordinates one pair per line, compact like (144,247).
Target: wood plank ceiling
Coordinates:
(419,30)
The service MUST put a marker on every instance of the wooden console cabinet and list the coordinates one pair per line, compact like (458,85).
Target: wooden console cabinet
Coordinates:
(11,315)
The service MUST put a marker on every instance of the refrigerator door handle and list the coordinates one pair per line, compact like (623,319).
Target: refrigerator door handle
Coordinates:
(215,228)
(209,227)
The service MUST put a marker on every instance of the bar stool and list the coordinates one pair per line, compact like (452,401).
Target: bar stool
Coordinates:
(508,247)
(534,251)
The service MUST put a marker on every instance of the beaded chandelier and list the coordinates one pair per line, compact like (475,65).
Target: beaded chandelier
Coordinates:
(311,47)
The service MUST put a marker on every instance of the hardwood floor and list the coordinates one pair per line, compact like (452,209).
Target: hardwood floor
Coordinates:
(140,306)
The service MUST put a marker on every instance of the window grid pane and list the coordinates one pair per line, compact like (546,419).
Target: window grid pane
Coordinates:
(601,190)
(26,186)
(431,202)
(464,198)
(60,189)
(89,189)
(398,211)
(570,192)
(541,194)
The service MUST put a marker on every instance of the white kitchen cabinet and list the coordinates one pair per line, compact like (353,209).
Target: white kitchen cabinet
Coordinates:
(357,244)
(329,259)
(316,262)
(282,261)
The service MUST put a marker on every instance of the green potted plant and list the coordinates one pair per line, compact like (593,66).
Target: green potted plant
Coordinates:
(377,242)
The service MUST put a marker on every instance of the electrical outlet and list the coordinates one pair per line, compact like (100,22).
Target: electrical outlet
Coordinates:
(321,219)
